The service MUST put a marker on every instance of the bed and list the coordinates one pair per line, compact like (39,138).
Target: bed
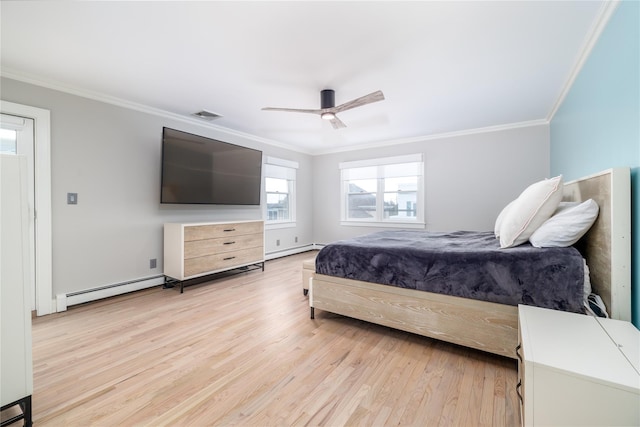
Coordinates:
(491,326)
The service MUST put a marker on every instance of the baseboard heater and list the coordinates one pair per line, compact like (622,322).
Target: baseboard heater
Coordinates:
(290,251)
(80,297)
(74,298)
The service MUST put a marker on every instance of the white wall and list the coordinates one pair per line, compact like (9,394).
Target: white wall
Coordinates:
(111,157)
(468,179)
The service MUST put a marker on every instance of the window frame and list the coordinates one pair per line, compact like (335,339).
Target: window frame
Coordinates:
(379,166)
(280,169)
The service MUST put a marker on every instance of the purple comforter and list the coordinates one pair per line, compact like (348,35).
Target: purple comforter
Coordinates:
(462,263)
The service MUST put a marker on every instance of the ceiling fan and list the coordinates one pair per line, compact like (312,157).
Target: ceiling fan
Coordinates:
(328,108)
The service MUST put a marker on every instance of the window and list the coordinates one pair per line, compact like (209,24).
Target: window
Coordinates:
(10,127)
(8,141)
(280,185)
(383,191)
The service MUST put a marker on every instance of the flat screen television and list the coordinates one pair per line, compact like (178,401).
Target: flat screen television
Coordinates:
(200,170)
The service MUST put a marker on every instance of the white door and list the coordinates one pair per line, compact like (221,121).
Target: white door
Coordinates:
(16,137)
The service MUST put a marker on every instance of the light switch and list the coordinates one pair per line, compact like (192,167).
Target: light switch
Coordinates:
(72,198)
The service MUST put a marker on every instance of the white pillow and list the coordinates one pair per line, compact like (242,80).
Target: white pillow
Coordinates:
(563,206)
(566,226)
(500,219)
(533,206)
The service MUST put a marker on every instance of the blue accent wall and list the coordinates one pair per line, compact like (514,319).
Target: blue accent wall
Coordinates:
(597,126)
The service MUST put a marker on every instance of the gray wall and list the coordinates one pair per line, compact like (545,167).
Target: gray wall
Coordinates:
(111,157)
(468,179)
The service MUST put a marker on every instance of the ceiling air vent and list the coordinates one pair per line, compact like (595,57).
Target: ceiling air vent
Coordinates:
(207,115)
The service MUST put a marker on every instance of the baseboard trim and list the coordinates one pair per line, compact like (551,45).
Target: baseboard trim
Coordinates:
(290,251)
(63,301)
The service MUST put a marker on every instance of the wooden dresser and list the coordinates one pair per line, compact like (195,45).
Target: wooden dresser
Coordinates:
(577,370)
(198,249)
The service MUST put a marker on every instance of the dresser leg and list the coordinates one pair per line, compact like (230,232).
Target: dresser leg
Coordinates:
(28,421)
(25,407)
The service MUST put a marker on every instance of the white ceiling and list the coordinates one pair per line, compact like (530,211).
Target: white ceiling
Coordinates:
(443,66)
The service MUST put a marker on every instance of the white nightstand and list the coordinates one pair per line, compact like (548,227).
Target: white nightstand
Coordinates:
(576,369)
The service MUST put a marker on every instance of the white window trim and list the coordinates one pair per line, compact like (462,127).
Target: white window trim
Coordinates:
(389,223)
(409,158)
(385,224)
(281,162)
(288,223)
(274,225)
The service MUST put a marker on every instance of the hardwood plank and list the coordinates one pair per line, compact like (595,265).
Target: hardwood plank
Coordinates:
(499,401)
(430,404)
(468,404)
(488,397)
(242,350)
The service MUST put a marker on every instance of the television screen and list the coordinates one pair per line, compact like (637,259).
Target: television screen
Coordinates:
(199,170)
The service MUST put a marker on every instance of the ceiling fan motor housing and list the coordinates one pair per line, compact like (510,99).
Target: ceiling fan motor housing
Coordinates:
(327,98)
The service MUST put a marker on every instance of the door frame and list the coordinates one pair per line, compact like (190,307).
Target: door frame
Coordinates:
(42,208)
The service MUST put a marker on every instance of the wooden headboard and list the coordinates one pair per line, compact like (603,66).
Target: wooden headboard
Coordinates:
(607,245)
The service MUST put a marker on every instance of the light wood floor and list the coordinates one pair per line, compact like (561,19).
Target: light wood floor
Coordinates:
(243,351)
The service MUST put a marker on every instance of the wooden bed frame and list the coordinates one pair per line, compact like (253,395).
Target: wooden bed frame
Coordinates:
(490,326)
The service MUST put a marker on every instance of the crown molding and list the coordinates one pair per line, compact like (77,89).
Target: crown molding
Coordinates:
(466,132)
(84,93)
(108,99)
(593,35)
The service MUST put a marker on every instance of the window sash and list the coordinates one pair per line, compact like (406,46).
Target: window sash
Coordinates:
(389,203)
(282,211)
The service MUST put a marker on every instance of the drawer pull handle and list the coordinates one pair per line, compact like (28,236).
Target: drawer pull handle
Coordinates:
(518,386)
(518,352)
(227,259)
(230,229)
(229,243)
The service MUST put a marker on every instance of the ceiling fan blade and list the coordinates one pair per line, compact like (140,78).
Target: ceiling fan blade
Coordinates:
(329,110)
(337,123)
(358,102)
(293,110)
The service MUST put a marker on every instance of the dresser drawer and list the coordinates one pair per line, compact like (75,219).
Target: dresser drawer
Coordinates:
(213,231)
(198,248)
(221,261)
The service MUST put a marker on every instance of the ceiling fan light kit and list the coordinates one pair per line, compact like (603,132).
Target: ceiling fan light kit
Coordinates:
(328,110)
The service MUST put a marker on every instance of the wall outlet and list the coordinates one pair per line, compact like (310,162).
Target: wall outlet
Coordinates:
(278,242)
(72,198)
(153,263)
(296,239)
